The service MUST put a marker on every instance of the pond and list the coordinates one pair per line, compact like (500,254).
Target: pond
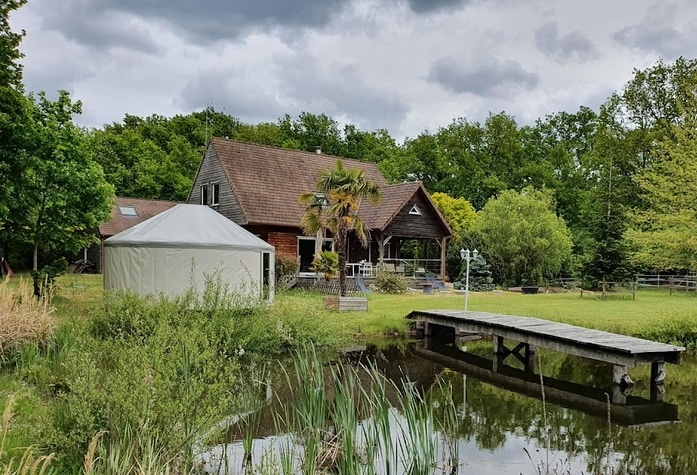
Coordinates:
(456,416)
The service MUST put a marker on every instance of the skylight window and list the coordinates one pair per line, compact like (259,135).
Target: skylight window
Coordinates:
(415,210)
(128,210)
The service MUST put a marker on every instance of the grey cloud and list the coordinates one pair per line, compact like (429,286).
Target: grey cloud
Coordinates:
(341,89)
(99,29)
(573,46)
(202,20)
(338,90)
(657,34)
(225,90)
(493,77)
(427,6)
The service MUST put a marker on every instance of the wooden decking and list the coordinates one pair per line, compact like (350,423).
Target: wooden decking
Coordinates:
(620,350)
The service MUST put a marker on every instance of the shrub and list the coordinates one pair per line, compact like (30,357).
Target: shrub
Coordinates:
(480,276)
(286,264)
(45,279)
(389,283)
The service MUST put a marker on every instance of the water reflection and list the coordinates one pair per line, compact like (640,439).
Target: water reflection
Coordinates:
(503,425)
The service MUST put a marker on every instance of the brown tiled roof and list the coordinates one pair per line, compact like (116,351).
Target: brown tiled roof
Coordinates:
(145,209)
(267,181)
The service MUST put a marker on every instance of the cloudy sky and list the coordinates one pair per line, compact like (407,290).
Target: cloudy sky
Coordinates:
(403,65)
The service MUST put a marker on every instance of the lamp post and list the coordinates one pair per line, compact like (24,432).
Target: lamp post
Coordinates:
(466,256)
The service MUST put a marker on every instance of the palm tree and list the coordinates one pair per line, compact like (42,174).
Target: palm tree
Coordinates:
(335,206)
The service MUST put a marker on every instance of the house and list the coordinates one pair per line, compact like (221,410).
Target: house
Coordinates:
(258,186)
(126,213)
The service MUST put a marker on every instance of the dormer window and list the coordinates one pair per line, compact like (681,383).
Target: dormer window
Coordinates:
(128,210)
(415,211)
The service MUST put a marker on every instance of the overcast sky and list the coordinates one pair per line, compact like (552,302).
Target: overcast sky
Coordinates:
(403,65)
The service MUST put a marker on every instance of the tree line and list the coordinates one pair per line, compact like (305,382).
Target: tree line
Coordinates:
(622,179)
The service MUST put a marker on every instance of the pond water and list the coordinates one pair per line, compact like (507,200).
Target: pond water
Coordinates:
(503,425)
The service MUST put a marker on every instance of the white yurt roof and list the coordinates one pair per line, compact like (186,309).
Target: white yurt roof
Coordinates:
(189,226)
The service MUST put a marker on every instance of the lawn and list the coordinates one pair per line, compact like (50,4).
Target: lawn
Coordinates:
(79,293)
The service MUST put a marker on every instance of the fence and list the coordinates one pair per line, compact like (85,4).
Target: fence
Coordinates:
(672,282)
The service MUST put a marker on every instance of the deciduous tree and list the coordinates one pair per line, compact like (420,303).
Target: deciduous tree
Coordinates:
(64,194)
(522,236)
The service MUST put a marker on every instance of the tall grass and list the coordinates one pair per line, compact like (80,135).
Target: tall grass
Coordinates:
(24,320)
(30,462)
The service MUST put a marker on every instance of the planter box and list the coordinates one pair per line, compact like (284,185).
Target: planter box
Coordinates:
(346,304)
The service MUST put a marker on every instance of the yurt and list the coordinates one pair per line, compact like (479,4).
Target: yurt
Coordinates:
(181,247)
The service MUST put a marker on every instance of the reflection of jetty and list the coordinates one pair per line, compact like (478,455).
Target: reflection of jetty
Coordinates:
(620,350)
(635,411)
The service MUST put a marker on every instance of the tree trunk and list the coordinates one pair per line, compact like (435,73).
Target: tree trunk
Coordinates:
(36,256)
(340,242)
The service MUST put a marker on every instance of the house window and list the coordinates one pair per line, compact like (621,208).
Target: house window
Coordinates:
(415,210)
(204,194)
(128,210)
(215,194)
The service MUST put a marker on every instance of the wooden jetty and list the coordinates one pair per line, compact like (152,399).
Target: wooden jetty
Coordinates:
(631,411)
(620,350)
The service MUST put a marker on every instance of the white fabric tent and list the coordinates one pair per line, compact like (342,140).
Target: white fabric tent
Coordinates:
(176,249)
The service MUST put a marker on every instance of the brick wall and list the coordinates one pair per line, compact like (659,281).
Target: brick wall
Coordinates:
(285,243)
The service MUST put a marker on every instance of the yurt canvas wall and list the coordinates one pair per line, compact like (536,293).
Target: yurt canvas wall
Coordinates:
(178,248)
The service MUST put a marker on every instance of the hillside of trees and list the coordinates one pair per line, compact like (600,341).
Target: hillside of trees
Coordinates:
(623,179)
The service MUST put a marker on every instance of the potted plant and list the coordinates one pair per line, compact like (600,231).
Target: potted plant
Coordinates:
(327,263)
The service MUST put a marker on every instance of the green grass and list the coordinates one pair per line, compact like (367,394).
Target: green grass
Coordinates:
(618,313)
(80,293)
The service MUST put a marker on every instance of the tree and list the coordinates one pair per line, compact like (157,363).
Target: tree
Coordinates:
(10,68)
(480,279)
(523,237)
(458,212)
(335,206)
(14,108)
(664,235)
(64,192)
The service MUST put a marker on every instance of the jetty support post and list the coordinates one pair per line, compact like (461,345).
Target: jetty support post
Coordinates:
(658,375)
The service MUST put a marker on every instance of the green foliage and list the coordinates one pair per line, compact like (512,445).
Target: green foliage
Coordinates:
(523,236)
(389,283)
(480,276)
(10,67)
(680,331)
(327,263)
(664,235)
(64,193)
(45,279)
(286,264)
(458,212)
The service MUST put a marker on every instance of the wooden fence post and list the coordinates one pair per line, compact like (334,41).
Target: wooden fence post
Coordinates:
(670,284)
(604,289)
(634,286)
